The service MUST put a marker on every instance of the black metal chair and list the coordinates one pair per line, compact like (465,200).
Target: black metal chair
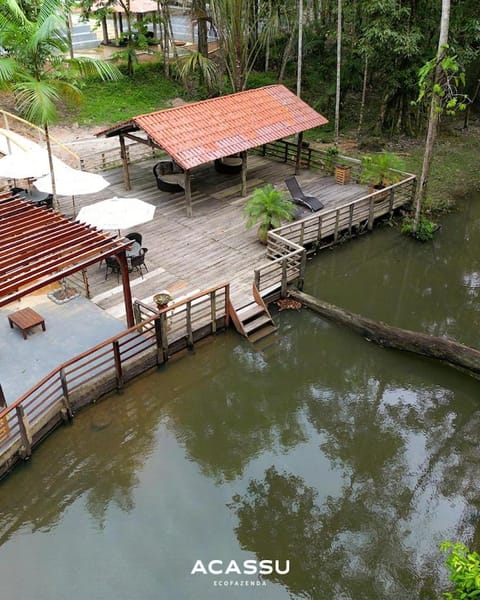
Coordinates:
(310,202)
(137,263)
(113,266)
(136,237)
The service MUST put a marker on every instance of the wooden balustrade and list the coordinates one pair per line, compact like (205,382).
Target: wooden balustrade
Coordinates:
(156,336)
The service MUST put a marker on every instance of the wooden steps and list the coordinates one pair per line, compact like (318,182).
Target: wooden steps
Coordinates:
(253,321)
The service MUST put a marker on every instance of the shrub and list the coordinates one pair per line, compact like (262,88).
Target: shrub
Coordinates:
(425,231)
(464,567)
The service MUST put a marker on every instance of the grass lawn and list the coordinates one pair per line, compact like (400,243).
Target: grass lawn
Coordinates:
(108,102)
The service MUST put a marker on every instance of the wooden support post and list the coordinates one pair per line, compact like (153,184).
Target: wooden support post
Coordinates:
(319,231)
(137,314)
(244,174)
(164,335)
(371,213)
(302,233)
(158,338)
(283,289)
(124,155)
(391,198)
(66,396)
(256,279)
(127,292)
(337,220)
(303,266)
(298,157)
(25,432)
(350,219)
(118,364)
(188,314)
(188,193)
(213,310)
(227,301)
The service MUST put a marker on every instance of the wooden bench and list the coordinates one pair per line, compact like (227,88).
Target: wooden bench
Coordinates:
(24,319)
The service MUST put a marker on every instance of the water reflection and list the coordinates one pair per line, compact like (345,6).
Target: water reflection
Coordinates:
(347,459)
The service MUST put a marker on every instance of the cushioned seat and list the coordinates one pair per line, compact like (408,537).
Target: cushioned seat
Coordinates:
(169,176)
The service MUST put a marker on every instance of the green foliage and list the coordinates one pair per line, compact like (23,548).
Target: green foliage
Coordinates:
(113,101)
(197,69)
(425,231)
(269,208)
(35,67)
(464,567)
(331,158)
(450,77)
(383,168)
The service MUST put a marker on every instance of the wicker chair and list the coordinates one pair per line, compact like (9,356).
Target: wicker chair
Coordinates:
(167,173)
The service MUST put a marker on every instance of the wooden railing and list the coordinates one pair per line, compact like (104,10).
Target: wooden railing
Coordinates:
(108,366)
(310,158)
(111,158)
(286,244)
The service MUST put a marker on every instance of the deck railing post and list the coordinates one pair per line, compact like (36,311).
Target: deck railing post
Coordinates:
(188,315)
(391,199)
(319,230)
(256,278)
(66,396)
(350,220)
(303,265)
(164,336)
(227,304)
(371,213)
(3,402)
(283,290)
(213,311)
(25,432)
(337,221)
(137,313)
(118,365)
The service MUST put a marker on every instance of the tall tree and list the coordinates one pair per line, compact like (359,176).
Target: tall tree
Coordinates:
(435,111)
(35,66)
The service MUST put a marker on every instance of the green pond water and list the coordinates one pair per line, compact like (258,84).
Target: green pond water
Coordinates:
(350,461)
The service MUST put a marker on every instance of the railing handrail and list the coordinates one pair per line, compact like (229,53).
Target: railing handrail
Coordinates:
(7,115)
(105,343)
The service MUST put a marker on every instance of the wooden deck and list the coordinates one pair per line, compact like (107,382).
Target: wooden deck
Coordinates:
(186,255)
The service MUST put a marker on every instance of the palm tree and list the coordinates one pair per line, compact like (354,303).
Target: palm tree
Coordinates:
(268,207)
(35,66)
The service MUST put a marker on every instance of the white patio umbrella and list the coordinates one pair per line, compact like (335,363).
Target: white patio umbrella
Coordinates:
(117,213)
(72,182)
(25,164)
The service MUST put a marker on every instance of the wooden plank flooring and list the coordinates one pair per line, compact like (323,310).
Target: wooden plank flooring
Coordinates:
(186,255)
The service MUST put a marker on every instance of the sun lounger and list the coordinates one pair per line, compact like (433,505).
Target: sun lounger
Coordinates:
(310,202)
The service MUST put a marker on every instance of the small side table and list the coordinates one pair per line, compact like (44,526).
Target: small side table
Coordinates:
(25,319)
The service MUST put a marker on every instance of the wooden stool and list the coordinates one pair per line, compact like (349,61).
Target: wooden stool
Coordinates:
(25,319)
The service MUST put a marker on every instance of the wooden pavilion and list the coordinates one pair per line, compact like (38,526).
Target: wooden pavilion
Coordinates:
(200,132)
(39,247)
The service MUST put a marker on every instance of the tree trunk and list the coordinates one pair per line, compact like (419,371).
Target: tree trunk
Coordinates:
(52,172)
(339,65)
(450,352)
(300,48)
(364,95)
(286,55)
(435,111)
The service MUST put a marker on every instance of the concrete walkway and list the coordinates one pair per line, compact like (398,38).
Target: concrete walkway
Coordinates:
(71,328)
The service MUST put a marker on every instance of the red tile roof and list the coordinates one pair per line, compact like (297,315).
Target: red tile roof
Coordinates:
(199,132)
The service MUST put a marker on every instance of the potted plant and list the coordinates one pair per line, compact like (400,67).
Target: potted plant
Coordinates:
(162,299)
(381,170)
(269,208)
(331,155)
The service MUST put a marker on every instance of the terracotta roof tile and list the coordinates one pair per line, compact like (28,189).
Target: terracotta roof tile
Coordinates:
(197,133)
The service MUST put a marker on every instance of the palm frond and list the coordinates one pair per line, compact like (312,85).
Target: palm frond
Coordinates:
(88,67)
(8,68)
(36,100)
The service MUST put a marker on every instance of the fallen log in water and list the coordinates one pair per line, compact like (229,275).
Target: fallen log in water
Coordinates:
(454,354)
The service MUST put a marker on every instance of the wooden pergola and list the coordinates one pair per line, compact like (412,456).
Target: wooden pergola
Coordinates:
(200,132)
(39,247)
